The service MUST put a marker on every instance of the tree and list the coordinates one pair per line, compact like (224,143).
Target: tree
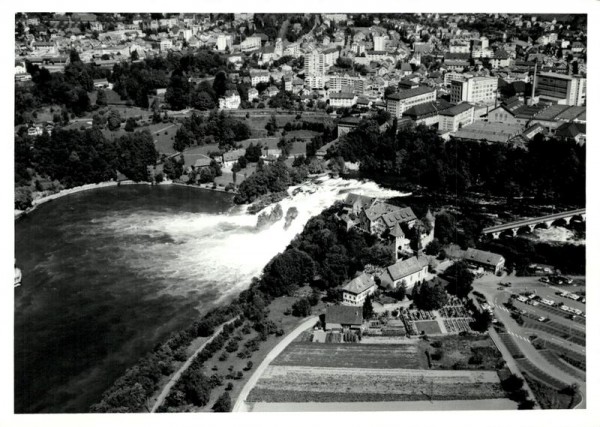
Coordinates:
(223,403)
(271,126)
(445,228)
(301,308)
(135,55)
(114,120)
(460,279)
(368,308)
(220,84)
(429,295)
(130,124)
(101,98)
(433,248)
(178,91)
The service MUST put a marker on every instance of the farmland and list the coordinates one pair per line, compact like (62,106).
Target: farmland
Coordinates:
(352,356)
(327,384)
(468,352)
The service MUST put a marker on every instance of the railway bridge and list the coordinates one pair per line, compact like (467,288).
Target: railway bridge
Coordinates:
(531,223)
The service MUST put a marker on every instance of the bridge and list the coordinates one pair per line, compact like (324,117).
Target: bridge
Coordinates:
(531,223)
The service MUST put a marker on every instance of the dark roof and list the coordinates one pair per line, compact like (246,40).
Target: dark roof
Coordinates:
(451,56)
(483,257)
(341,95)
(570,130)
(360,284)
(352,121)
(344,315)
(409,93)
(456,109)
(427,109)
(352,199)
(406,267)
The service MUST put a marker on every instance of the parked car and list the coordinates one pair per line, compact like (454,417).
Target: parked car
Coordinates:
(544,280)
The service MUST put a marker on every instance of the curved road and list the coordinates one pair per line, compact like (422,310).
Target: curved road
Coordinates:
(240,403)
(167,388)
(488,286)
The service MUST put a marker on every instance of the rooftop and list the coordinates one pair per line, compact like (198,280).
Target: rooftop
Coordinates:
(483,257)
(344,315)
(360,284)
(410,93)
(406,267)
(456,109)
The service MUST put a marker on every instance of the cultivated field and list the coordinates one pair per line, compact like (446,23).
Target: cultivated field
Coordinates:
(327,384)
(348,355)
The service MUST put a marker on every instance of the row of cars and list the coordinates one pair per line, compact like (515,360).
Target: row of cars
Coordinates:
(534,300)
(556,280)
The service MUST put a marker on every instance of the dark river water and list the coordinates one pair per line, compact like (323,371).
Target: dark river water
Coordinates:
(103,281)
(109,273)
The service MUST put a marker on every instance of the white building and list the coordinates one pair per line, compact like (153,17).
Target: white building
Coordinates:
(258,76)
(341,99)
(410,271)
(166,44)
(398,103)
(251,43)
(230,101)
(379,42)
(252,94)
(561,89)
(356,291)
(224,41)
(453,118)
(475,90)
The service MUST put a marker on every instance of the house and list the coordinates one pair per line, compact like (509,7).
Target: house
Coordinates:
(427,113)
(230,101)
(572,130)
(343,317)
(258,76)
(410,271)
(102,84)
(252,94)
(230,157)
(356,291)
(341,99)
(487,260)
(201,163)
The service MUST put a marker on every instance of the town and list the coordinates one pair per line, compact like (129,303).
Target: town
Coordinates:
(458,294)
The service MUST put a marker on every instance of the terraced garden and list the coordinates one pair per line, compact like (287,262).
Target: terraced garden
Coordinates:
(327,384)
(352,355)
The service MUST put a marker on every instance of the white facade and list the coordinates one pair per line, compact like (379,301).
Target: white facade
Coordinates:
(357,300)
(230,102)
(474,90)
(251,43)
(396,107)
(258,76)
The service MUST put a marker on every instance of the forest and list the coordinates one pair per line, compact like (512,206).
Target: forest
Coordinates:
(71,158)
(550,170)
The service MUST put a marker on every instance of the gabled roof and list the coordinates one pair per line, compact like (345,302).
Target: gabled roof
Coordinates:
(456,109)
(406,267)
(397,231)
(571,130)
(483,257)
(399,216)
(360,284)
(344,315)
(353,199)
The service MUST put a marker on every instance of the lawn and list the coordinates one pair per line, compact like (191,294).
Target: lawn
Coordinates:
(428,327)
(352,355)
(464,352)
(327,384)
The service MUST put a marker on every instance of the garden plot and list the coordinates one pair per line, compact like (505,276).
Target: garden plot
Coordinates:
(352,355)
(327,384)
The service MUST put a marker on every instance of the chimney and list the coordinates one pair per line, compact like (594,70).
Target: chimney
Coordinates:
(533,84)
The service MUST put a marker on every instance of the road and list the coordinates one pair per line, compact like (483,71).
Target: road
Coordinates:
(240,403)
(488,286)
(167,388)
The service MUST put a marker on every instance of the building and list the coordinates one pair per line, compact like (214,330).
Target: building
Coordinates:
(397,103)
(346,83)
(356,291)
(410,271)
(343,317)
(428,113)
(224,42)
(476,90)
(230,101)
(252,94)
(314,63)
(454,118)
(379,42)
(330,56)
(341,99)
(489,132)
(487,260)
(166,44)
(251,43)
(572,130)
(561,88)
(258,76)
(347,124)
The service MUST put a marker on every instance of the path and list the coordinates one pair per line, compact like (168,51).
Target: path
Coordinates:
(240,405)
(167,388)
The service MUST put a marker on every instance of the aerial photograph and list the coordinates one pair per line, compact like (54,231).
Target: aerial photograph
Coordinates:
(299,212)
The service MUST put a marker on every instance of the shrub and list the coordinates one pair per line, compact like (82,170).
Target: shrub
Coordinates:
(232,346)
(229,386)
(223,357)
(223,403)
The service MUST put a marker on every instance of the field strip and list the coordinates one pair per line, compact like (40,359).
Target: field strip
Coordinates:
(462,376)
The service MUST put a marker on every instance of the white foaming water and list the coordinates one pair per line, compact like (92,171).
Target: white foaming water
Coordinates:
(557,234)
(220,253)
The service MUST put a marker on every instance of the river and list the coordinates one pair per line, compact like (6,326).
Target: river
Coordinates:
(108,273)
